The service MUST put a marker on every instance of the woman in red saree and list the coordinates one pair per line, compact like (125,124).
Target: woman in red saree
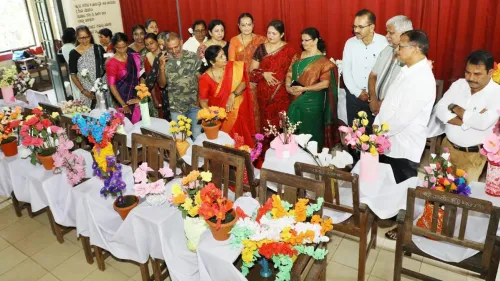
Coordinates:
(225,84)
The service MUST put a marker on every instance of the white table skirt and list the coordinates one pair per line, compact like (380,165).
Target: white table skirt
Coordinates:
(5,179)
(157,124)
(222,139)
(15,103)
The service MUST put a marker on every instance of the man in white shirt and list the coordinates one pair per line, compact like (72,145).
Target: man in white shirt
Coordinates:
(387,67)
(408,106)
(469,111)
(360,55)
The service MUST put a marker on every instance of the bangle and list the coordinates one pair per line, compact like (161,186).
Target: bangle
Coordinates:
(235,94)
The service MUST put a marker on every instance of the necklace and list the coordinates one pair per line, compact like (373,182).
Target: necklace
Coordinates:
(244,45)
(219,77)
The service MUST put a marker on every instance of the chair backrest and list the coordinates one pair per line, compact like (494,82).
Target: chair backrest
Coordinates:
(67,124)
(120,148)
(153,152)
(49,108)
(331,178)
(220,163)
(248,163)
(290,187)
(34,98)
(156,134)
(450,203)
(439,90)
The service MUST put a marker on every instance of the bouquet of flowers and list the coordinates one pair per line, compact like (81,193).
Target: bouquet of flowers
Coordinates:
(214,207)
(39,133)
(187,198)
(73,107)
(491,145)
(285,131)
(23,82)
(181,127)
(63,158)
(10,119)
(143,93)
(281,232)
(357,137)
(212,115)
(441,176)
(8,75)
(144,187)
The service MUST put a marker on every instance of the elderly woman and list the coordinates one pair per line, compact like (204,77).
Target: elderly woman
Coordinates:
(199,32)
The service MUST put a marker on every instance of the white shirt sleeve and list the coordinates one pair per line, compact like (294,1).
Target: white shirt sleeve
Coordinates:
(480,121)
(347,71)
(442,111)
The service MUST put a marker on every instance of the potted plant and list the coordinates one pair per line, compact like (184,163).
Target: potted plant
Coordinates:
(181,129)
(65,159)
(144,95)
(369,145)
(10,119)
(284,142)
(211,119)
(217,211)
(187,199)
(40,135)
(153,191)
(8,75)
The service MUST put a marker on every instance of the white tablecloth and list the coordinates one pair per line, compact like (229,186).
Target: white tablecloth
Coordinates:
(157,124)
(15,103)
(222,139)
(5,180)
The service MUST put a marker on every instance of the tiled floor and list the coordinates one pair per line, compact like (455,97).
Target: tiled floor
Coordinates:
(29,252)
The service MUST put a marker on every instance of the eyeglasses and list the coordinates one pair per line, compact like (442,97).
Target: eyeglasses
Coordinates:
(360,26)
(199,31)
(84,38)
(405,46)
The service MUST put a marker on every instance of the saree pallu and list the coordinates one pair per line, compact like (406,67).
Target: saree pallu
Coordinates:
(240,120)
(126,87)
(316,110)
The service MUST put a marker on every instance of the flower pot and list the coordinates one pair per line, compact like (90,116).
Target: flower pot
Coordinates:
(212,132)
(368,168)
(493,180)
(284,151)
(182,147)
(193,228)
(222,233)
(130,202)
(146,118)
(47,161)
(8,94)
(10,148)
(425,221)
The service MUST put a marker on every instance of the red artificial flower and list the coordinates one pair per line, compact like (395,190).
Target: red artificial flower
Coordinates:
(32,121)
(39,126)
(27,140)
(438,165)
(210,193)
(449,170)
(15,123)
(37,111)
(37,142)
(55,129)
(46,123)
(264,209)
(24,131)
(240,213)
(269,250)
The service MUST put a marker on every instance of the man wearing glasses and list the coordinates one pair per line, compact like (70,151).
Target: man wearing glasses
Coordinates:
(360,55)
(199,32)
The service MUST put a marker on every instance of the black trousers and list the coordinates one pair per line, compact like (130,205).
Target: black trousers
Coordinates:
(355,105)
(403,169)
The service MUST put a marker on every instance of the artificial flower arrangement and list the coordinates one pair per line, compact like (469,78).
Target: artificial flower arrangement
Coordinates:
(10,119)
(143,93)
(491,149)
(440,175)
(280,232)
(216,209)
(23,82)
(181,129)
(40,135)
(65,159)
(99,89)
(144,96)
(73,107)
(153,191)
(211,118)
(284,140)
(8,75)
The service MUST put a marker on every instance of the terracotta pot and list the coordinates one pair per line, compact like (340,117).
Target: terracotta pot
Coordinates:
(47,161)
(131,201)
(10,149)
(493,180)
(222,233)
(425,221)
(182,147)
(212,132)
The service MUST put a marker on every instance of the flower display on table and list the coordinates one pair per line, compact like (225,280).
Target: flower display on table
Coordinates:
(10,119)
(40,135)
(23,82)
(144,96)
(211,118)
(217,211)
(279,232)
(100,88)
(65,159)
(284,139)
(491,149)
(8,75)
(181,129)
(10,80)
(153,191)
(74,107)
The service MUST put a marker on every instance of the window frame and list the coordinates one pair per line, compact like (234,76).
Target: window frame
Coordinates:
(32,33)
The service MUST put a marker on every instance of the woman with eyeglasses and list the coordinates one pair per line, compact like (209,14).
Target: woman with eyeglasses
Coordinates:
(152,68)
(311,82)
(199,32)
(270,64)
(216,32)
(86,64)
(139,32)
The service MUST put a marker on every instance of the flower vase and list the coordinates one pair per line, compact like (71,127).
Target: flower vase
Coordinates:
(193,228)
(146,118)
(265,270)
(182,147)
(9,148)
(425,221)
(284,151)
(212,132)
(46,160)
(493,180)
(129,202)
(156,199)
(100,155)
(222,233)
(368,168)
(8,94)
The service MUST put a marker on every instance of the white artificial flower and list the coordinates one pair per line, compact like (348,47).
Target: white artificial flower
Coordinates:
(446,156)
(433,155)
(303,139)
(190,30)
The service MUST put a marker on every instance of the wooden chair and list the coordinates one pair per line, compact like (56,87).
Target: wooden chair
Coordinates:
(362,220)
(253,182)
(485,262)
(153,152)
(180,163)
(220,163)
(291,188)
(120,149)
(49,108)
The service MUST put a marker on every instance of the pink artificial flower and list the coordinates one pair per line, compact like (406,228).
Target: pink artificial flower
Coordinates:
(373,138)
(157,187)
(358,133)
(39,127)
(433,179)
(494,157)
(345,129)
(58,160)
(24,131)
(426,184)
(491,144)
(27,141)
(193,184)
(142,189)
(140,176)
(37,142)
(365,147)
(362,130)
(446,149)
(55,129)
(166,172)
(144,166)
(428,170)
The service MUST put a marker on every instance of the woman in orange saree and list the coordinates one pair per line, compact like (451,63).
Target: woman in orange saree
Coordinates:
(225,84)
(242,48)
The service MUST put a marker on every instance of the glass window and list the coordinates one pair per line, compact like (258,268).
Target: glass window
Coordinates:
(16,31)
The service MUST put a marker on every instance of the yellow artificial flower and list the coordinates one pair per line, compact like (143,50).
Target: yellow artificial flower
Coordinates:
(182,128)
(362,114)
(189,133)
(206,176)
(278,211)
(197,199)
(245,148)
(203,114)
(179,118)
(55,115)
(188,204)
(176,190)
(354,128)
(181,123)
(194,211)
(285,234)
(222,113)
(188,126)
(172,130)
(188,120)
(364,122)
(29,117)
(385,127)
(460,172)
(173,123)
(364,138)
(373,150)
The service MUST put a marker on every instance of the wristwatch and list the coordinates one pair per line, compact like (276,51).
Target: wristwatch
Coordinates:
(451,107)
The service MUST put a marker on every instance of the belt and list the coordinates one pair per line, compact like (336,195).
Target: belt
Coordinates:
(474,148)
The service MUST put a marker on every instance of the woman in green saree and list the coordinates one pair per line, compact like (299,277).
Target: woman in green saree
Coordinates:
(312,84)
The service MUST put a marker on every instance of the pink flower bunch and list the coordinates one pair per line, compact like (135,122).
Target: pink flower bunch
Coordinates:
(72,163)
(143,186)
(491,145)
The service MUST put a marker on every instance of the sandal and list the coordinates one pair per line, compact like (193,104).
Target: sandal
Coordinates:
(392,234)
